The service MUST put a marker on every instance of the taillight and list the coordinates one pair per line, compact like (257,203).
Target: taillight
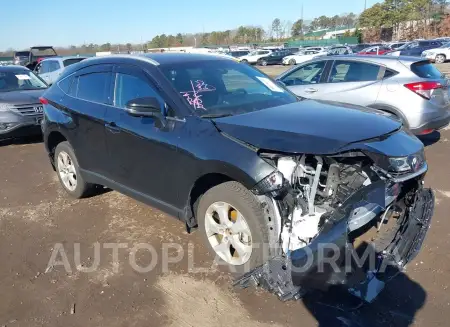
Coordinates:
(424,88)
(43,100)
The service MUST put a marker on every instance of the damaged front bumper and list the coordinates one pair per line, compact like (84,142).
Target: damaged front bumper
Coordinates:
(335,258)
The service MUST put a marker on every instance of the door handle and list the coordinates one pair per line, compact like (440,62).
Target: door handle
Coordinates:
(311,90)
(112,127)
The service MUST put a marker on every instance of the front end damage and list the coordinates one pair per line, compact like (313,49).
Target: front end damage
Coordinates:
(352,219)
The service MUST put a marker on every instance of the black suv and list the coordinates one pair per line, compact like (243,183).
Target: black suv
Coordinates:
(266,177)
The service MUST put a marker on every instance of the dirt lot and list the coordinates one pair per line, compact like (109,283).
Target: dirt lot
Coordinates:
(37,219)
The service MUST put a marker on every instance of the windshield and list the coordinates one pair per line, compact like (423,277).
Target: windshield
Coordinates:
(22,54)
(20,80)
(224,87)
(445,45)
(43,52)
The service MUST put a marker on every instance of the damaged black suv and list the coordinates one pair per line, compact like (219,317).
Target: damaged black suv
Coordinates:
(283,189)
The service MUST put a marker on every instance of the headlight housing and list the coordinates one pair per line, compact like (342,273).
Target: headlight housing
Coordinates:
(5,107)
(399,165)
(269,184)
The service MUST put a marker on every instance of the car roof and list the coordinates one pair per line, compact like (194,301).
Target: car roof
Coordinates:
(64,57)
(379,59)
(13,68)
(152,58)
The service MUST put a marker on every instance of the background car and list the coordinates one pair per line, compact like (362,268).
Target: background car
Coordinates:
(395,45)
(302,56)
(438,55)
(21,58)
(413,90)
(50,69)
(339,50)
(358,47)
(415,48)
(253,56)
(376,51)
(37,54)
(238,53)
(20,109)
(275,58)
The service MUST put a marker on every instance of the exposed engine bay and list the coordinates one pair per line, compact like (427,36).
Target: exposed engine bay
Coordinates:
(345,200)
(319,186)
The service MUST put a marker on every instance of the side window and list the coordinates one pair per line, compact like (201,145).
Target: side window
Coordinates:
(389,73)
(65,84)
(93,87)
(45,66)
(353,71)
(129,87)
(52,66)
(308,74)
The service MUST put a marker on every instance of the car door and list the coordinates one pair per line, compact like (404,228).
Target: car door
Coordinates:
(89,97)
(43,69)
(352,81)
(306,80)
(54,71)
(142,152)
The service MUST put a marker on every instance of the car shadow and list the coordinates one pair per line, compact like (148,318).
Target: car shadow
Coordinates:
(21,140)
(396,305)
(430,139)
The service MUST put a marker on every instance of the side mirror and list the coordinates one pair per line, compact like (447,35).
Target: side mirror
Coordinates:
(145,107)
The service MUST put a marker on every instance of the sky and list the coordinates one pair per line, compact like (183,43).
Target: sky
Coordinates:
(74,22)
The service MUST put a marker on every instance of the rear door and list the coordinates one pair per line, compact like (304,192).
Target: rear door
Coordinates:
(89,97)
(352,81)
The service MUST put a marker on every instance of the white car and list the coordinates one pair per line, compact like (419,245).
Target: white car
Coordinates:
(303,56)
(50,69)
(253,57)
(438,55)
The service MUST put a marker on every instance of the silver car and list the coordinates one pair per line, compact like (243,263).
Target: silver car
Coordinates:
(412,89)
(50,69)
(20,107)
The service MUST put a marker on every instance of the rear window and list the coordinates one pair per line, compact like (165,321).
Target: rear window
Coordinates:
(22,54)
(424,69)
(72,61)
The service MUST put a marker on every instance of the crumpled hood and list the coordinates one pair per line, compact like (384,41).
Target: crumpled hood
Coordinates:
(21,97)
(314,127)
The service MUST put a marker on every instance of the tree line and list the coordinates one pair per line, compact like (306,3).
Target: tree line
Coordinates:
(405,19)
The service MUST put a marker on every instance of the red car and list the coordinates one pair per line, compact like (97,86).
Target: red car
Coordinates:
(378,50)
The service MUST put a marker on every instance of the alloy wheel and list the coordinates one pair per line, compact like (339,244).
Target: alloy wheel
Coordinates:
(66,171)
(228,233)
(440,59)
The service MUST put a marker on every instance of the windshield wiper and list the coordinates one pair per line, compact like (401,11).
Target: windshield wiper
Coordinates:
(216,115)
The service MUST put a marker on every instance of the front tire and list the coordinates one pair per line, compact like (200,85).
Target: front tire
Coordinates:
(292,62)
(232,222)
(68,171)
(263,63)
(440,59)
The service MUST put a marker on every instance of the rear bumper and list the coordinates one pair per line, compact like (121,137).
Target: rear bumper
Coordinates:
(434,124)
(333,260)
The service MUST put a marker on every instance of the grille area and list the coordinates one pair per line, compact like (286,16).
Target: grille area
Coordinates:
(29,109)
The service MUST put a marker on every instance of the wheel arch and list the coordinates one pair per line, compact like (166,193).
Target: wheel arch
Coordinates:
(390,109)
(51,142)
(208,180)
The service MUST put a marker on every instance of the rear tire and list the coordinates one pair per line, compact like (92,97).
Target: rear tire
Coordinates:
(440,59)
(245,61)
(68,171)
(292,62)
(239,205)
(263,63)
